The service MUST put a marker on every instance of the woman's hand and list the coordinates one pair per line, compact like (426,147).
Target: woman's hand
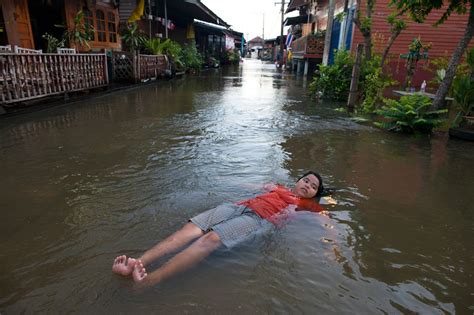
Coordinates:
(269,187)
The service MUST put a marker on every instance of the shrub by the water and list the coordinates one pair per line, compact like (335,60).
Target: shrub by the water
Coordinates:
(191,58)
(333,81)
(410,114)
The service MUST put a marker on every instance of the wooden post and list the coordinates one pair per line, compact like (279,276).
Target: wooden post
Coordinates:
(355,79)
(106,69)
(327,38)
(282,43)
(136,66)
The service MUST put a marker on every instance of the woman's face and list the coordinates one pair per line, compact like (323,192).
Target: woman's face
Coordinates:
(307,187)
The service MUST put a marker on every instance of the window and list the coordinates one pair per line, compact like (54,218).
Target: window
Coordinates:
(100,31)
(111,27)
(103,20)
(89,20)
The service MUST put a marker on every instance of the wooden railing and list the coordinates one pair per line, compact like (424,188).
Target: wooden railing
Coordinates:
(29,76)
(151,66)
(309,46)
(132,67)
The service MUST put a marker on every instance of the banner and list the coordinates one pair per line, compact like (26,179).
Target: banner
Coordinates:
(289,40)
(229,42)
(168,24)
(138,12)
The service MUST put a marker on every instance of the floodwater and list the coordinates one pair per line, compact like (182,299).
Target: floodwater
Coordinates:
(83,183)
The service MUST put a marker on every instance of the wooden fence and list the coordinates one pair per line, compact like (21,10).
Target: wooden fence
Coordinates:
(30,76)
(131,67)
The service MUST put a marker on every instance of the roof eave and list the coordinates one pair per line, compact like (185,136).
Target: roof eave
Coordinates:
(213,17)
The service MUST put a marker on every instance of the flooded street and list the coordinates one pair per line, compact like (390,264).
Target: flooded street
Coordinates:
(83,183)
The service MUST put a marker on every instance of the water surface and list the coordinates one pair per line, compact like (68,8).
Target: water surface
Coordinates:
(83,183)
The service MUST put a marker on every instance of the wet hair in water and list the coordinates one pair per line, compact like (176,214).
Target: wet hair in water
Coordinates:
(320,188)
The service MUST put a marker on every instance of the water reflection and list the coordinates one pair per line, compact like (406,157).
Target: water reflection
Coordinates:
(84,182)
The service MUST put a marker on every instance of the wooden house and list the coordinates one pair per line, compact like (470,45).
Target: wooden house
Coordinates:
(170,19)
(255,46)
(213,40)
(313,21)
(24,22)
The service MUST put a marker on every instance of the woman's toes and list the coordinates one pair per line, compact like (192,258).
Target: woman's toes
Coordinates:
(131,262)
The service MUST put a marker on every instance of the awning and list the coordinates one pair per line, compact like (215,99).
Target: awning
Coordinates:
(301,19)
(270,40)
(214,29)
(277,40)
(295,4)
(191,9)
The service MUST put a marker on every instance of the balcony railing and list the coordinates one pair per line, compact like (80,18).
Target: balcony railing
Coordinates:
(309,46)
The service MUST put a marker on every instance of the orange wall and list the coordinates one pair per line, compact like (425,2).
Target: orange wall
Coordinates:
(444,38)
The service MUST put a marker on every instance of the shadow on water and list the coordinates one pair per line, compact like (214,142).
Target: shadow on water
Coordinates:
(86,182)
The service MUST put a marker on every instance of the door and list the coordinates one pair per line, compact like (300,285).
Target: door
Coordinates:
(336,31)
(17,21)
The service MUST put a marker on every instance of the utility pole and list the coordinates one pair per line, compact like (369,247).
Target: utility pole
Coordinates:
(149,17)
(282,43)
(263,27)
(166,21)
(327,38)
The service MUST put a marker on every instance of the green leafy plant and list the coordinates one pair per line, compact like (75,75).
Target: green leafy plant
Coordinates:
(333,81)
(191,58)
(340,17)
(233,56)
(133,38)
(441,63)
(320,34)
(212,61)
(373,81)
(81,33)
(174,52)
(463,92)
(154,46)
(410,114)
(416,52)
(172,49)
(374,85)
(53,43)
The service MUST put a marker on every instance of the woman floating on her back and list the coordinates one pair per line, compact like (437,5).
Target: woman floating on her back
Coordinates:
(226,225)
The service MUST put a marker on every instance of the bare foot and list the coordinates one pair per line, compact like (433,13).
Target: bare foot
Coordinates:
(139,272)
(123,266)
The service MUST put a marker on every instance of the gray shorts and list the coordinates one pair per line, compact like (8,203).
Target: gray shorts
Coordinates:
(233,223)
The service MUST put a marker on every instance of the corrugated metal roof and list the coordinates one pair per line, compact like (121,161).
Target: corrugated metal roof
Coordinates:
(294,4)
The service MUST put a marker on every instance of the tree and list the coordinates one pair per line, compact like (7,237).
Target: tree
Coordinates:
(419,10)
(364,24)
(396,27)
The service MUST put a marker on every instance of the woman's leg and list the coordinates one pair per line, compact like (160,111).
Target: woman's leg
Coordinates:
(172,243)
(124,265)
(189,257)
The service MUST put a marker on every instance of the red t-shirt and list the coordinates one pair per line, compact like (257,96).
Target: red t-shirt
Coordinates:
(277,200)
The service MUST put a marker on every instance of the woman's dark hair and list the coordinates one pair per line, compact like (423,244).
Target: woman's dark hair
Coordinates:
(320,188)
